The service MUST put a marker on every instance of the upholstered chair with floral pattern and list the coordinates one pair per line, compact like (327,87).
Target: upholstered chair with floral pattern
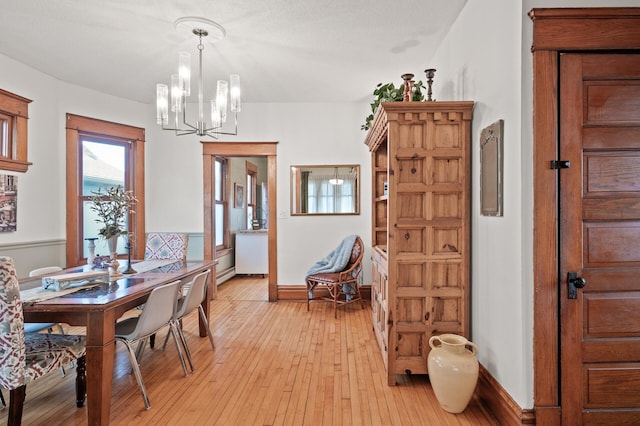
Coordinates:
(166,245)
(28,356)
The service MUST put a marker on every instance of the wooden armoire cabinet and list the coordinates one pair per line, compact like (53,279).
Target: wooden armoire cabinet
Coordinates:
(421,171)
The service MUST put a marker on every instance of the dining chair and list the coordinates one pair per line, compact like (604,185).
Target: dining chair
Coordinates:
(194,293)
(166,245)
(25,357)
(157,312)
(34,327)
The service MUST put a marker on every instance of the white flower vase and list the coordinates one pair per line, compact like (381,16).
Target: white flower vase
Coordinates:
(453,370)
(112,244)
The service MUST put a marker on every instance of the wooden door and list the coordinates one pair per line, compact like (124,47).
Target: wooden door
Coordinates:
(600,238)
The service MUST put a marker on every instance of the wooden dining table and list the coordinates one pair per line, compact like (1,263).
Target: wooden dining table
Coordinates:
(98,307)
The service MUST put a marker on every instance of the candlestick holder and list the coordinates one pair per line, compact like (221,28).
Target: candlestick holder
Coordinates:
(430,72)
(129,269)
(113,268)
(406,94)
(92,250)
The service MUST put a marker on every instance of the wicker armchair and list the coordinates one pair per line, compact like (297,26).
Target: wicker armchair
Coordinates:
(340,288)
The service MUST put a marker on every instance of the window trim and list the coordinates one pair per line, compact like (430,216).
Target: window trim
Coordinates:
(17,108)
(78,126)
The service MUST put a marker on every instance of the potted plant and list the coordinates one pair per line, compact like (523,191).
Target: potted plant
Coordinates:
(112,208)
(389,93)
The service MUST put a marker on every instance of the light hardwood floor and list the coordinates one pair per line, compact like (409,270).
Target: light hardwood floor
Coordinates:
(274,364)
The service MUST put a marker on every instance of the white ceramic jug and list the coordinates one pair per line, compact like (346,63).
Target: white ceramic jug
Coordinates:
(453,370)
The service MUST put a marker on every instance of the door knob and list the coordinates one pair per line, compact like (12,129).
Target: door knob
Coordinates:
(575,282)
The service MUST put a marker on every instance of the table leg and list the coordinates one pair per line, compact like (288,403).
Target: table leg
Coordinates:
(211,282)
(100,352)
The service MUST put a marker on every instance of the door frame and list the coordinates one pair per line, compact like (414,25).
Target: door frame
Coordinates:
(243,149)
(556,31)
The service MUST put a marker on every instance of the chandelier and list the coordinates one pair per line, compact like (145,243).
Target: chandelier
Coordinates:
(227,93)
(335,180)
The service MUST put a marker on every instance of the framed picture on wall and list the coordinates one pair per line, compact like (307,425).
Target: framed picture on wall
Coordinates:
(8,202)
(491,141)
(238,196)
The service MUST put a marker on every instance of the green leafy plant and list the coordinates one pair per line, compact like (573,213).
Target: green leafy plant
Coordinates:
(112,208)
(389,93)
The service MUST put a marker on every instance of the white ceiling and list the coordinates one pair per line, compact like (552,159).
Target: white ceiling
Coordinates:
(284,50)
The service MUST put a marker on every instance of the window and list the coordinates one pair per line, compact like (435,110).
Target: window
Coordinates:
(252,181)
(101,154)
(13,132)
(221,224)
(331,194)
(104,164)
(6,130)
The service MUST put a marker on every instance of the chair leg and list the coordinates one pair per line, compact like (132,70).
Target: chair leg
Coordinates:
(140,350)
(204,319)
(311,287)
(172,329)
(185,346)
(4,404)
(81,381)
(16,402)
(166,339)
(360,296)
(136,370)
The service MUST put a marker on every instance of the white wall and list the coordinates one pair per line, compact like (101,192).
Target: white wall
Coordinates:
(479,60)
(41,190)
(306,134)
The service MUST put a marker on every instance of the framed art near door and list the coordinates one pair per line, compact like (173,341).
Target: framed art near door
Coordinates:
(238,196)
(8,202)
(491,169)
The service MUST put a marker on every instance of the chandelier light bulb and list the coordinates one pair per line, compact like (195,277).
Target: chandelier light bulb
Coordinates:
(215,115)
(162,104)
(222,95)
(234,81)
(176,93)
(184,71)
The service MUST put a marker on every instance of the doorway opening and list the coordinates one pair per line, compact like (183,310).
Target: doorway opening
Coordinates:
(211,150)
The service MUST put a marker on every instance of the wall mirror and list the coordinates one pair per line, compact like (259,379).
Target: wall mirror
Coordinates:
(325,189)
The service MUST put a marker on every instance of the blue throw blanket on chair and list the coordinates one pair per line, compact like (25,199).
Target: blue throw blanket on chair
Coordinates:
(336,260)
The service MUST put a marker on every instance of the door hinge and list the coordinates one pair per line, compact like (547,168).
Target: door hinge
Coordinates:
(560,164)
